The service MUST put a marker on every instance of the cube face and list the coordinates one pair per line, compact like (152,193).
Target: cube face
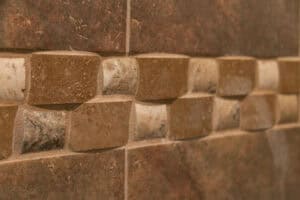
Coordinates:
(236,76)
(7,119)
(62,77)
(12,79)
(119,76)
(100,123)
(267,75)
(289,71)
(149,121)
(161,76)
(258,111)
(287,108)
(39,130)
(203,75)
(190,116)
(226,114)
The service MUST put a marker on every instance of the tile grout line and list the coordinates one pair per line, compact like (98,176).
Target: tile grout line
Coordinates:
(128,16)
(126,175)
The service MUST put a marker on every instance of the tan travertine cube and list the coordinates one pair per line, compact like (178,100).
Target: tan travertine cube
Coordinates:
(7,121)
(148,121)
(12,77)
(102,122)
(226,114)
(267,75)
(289,71)
(258,111)
(161,76)
(236,76)
(190,116)
(287,108)
(119,76)
(203,75)
(59,77)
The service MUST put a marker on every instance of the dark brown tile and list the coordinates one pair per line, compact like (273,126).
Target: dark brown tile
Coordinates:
(236,166)
(215,27)
(97,25)
(71,176)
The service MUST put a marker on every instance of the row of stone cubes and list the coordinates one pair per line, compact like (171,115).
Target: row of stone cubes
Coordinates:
(174,97)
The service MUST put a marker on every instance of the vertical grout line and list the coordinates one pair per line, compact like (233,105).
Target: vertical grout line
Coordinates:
(126,175)
(128,16)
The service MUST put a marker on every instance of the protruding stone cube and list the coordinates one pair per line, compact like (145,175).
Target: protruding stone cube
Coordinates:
(39,130)
(62,77)
(7,121)
(12,78)
(119,76)
(148,121)
(267,75)
(258,111)
(203,75)
(289,75)
(161,76)
(190,116)
(226,114)
(287,108)
(236,76)
(102,122)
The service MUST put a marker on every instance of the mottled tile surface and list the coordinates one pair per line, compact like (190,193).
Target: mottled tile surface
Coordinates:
(97,25)
(72,176)
(215,27)
(235,166)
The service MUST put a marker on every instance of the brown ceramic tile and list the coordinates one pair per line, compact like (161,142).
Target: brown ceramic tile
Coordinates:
(258,111)
(287,108)
(59,77)
(234,166)
(7,118)
(236,76)
(161,76)
(97,25)
(190,116)
(100,123)
(70,176)
(212,27)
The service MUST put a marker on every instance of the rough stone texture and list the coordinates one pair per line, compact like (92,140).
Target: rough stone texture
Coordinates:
(161,76)
(102,122)
(62,77)
(148,121)
(267,75)
(63,25)
(67,176)
(226,114)
(258,111)
(119,76)
(203,75)
(39,130)
(12,78)
(289,71)
(7,121)
(236,76)
(287,108)
(236,166)
(213,27)
(190,116)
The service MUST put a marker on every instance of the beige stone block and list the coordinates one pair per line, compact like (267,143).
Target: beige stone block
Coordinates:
(119,76)
(226,114)
(203,75)
(149,121)
(287,108)
(267,75)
